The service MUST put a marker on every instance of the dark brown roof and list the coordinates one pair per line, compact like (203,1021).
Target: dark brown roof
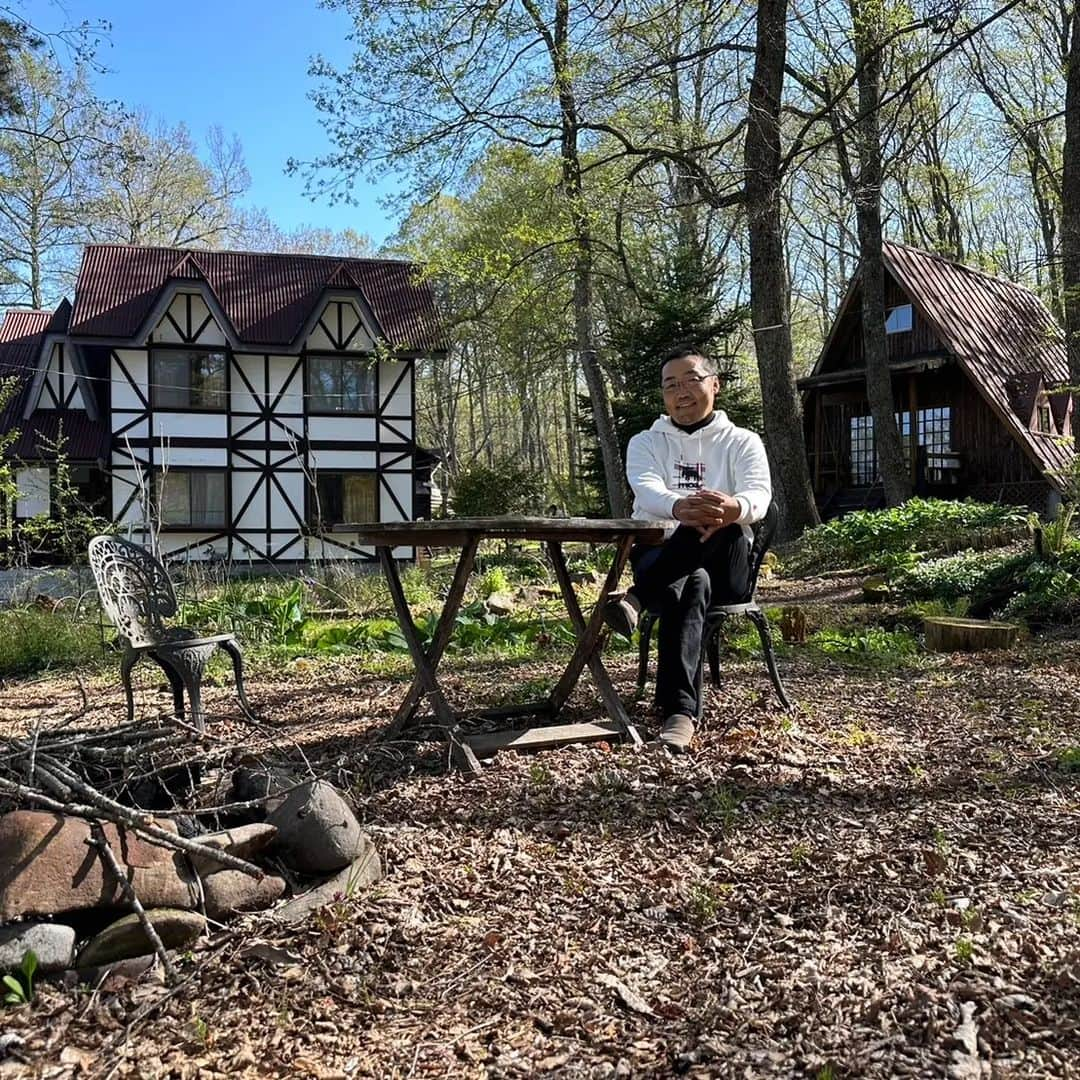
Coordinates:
(20,349)
(85,439)
(267,297)
(1000,333)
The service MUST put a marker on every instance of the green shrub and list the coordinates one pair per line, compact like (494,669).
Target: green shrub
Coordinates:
(503,488)
(884,539)
(33,639)
(873,646)
(970,573)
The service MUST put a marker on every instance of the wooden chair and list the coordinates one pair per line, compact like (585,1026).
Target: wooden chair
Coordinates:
(138,596)
(716,616)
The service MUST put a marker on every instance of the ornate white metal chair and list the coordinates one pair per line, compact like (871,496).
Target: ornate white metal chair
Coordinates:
(138,596)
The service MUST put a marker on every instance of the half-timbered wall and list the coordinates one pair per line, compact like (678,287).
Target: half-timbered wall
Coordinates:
(267,439)
(60,389)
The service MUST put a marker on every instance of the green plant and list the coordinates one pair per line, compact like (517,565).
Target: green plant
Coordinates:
(20,986)
(35,639)
(873,646)
(1068,759)
(720,804)
(506,487)
(880,539)
(706,899)
(493,581)
(965,949)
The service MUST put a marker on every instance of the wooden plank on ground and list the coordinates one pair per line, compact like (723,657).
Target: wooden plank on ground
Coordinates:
(543,738)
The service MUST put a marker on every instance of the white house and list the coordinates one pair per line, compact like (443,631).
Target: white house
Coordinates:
(257,399)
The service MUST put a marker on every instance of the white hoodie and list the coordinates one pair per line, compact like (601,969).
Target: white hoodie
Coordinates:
(665,464)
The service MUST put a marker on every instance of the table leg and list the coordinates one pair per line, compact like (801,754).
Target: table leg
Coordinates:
(589,634)
(444,631)
(425,671)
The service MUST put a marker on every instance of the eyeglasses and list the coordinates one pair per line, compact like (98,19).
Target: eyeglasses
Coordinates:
(688,382)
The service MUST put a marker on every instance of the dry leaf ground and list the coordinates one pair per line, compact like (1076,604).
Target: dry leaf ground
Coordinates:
(884,884)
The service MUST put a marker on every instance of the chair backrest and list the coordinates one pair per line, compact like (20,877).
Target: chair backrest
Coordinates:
(135,590)
(764,531)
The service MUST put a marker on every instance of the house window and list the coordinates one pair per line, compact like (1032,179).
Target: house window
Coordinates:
(898,319)
(1044,423)
(341,384)
(194,499)
(345,498)
(863,457)
(935,430)
(187,379)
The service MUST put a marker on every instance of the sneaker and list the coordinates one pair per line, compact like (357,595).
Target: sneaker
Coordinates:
(621,614)
(677,733)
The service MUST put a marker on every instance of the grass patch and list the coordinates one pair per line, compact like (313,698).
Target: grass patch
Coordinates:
(871,647)
(34,640)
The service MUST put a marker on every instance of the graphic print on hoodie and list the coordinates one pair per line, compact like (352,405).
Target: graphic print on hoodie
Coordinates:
(689,475)
(666,462)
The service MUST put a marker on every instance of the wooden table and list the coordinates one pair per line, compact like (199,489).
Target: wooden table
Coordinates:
(466,534)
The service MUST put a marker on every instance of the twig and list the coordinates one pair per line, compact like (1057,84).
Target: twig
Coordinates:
(113,811)
(101,842)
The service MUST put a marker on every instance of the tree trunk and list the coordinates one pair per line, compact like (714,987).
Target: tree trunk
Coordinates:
(1070,212)
(769,288)
(557,41)
(892,462)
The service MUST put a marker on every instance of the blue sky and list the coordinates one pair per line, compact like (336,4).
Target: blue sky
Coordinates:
(238,63)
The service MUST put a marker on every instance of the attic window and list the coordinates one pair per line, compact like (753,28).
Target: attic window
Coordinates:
(1043,420)
(898,319)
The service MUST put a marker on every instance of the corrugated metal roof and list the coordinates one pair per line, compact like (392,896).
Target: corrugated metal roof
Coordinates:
(85,439)
(1001,334)
(20,346)
(267,297)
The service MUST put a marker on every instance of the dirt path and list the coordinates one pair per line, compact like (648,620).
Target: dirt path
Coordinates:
(884,884)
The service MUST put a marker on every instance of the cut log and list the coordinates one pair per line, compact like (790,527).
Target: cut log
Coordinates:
(968,635)
(875,589)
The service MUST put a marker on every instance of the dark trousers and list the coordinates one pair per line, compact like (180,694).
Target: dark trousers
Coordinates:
(679,580)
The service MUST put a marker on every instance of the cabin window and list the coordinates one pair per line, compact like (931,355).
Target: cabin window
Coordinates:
(345,497)
(898,319)
(1043,421)
(863,458)
(187,379)
(341,384)
(935,429)
(191,499)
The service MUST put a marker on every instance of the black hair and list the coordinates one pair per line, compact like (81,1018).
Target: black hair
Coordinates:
(681,352)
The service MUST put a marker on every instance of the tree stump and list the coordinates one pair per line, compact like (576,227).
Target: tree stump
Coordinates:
(875,589)
(968,635)
(793,625)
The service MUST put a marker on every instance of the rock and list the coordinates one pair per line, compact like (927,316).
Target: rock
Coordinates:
(126,937)
(229,892)
(317,831)
(500,603)
(48,866)
(115,975)
(252,780)
(243,842)
(52,943)
(364,870)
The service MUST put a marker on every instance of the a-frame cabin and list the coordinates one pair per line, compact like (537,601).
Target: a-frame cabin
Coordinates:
(978,366)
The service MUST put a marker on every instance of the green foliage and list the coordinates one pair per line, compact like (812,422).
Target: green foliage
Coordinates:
(493,581)
(257,613)
(967,574)
(882,539)
(64,533)
(873,646)
(1068,760)
(503,488)
(33,639)
(20,986)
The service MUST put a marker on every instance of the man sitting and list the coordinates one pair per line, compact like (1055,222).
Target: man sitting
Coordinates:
(696,467)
